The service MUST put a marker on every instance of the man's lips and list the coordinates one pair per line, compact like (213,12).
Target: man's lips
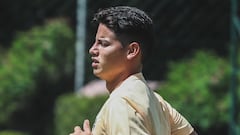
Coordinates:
(94,62)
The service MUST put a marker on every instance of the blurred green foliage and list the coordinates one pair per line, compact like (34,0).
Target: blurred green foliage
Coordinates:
(42,54)
(12,133)
(199,88)
(71,110)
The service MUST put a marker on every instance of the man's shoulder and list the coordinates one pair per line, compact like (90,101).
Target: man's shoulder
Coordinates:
(116,102)
(159,97)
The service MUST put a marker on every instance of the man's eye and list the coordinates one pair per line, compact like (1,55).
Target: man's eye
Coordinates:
(104,44)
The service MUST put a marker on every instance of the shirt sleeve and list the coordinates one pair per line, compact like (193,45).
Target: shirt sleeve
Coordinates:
(179,125)
(117,118)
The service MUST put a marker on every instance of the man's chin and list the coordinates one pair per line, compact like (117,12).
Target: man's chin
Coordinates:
(96,73)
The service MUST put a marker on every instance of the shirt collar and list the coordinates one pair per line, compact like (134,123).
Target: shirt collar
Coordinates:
(121,90)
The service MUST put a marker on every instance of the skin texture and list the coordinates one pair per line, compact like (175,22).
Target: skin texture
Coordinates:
(110,60)
(108,55)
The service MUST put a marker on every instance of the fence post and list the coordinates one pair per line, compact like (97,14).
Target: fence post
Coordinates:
(234,33)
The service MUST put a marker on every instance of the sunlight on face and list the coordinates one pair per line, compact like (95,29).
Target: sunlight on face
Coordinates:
(108,54)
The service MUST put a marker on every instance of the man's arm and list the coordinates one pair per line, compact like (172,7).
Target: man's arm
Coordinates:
(179,125)
(194,133)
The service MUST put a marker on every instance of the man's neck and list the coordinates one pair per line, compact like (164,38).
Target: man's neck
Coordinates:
(117,81)
(113,84)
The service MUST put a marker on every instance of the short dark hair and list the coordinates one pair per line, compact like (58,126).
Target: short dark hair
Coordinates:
(130,24)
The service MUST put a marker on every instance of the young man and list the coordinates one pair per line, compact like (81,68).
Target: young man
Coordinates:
(123,41)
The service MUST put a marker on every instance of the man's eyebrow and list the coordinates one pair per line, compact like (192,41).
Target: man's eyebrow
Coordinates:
(103,40)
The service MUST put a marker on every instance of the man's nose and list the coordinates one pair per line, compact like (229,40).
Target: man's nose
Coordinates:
(93,50)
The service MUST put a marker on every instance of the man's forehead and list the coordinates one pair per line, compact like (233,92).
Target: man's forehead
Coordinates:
(104,31)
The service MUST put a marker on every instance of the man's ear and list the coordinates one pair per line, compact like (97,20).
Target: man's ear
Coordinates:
(133,50)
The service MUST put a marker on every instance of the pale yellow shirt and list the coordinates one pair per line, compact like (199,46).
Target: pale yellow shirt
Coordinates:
(133,109)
